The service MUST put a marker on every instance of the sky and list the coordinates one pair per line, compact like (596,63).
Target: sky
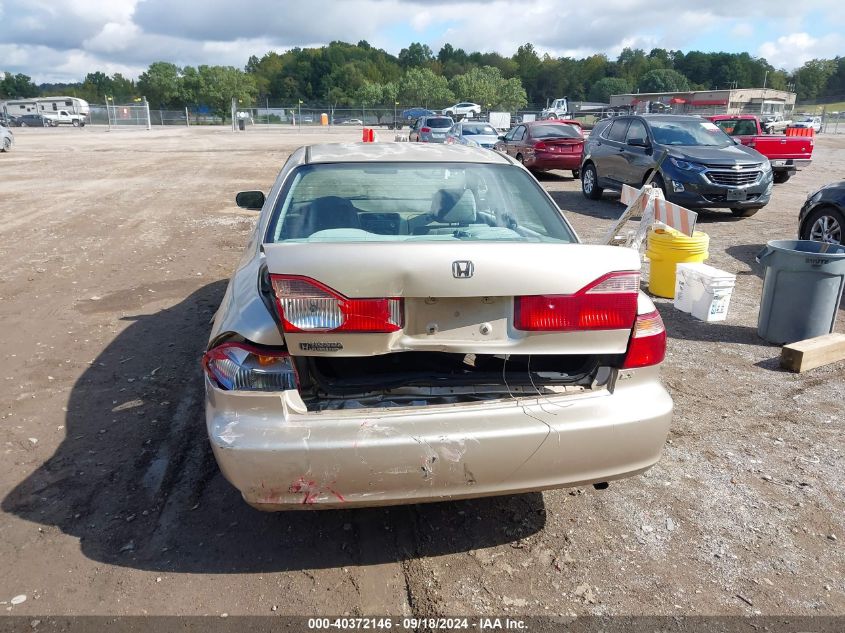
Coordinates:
(62,41)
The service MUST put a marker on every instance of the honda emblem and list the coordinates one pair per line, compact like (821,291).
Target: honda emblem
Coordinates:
(462,269)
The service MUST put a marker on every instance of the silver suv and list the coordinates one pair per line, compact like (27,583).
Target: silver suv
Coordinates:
(431,129)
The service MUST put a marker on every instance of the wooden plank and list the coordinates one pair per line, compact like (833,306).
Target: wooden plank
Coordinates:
(813,352)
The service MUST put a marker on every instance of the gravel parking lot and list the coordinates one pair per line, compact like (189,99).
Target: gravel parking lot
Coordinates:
(115,253)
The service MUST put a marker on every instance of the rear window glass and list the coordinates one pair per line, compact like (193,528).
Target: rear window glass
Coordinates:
(737,127)
(555,131)
(439,122)
(369,202)
(479,128)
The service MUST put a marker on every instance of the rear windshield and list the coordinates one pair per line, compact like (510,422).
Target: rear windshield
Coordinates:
(737,127)
(478,128)
(439,122)
(377,202)
(688,132)
(558,130)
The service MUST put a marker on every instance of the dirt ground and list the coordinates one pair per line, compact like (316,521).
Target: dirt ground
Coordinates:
(115,251)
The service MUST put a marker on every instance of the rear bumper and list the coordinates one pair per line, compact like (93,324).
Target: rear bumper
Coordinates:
(281,460)
(789,164)
(553,161)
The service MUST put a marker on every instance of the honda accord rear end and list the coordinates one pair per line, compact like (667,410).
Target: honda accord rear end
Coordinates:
(418,323)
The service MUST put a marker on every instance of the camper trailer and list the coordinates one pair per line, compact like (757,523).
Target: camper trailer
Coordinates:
(46,106)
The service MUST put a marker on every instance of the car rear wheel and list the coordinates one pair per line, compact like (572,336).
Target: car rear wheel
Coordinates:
(825,224)
(7,144)
(520,159)
(781,176)
(744,213)
(590,183)
(75,123)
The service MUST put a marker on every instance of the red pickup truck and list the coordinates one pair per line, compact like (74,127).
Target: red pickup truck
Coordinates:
(786,153)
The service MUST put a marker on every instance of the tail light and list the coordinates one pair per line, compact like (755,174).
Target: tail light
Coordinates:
(425,130)
(306,305)
(648,342)
(609,303)
(243,367)
(539,145)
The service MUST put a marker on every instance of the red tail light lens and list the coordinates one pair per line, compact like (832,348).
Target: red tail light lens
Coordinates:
(425,130)
(648,342)
(306,305)
(539,145)
(244,367)
(609,303)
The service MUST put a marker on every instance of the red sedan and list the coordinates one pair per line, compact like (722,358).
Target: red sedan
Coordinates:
(544,145)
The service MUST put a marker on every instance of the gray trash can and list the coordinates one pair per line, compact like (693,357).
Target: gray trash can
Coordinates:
(242,124)
(801,291)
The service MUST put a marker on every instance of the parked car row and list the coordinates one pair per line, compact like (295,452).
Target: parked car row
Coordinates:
(31,120)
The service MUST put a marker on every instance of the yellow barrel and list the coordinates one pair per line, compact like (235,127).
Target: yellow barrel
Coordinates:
(324,119)
(667,247)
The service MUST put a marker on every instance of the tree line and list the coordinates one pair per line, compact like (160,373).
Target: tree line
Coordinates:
(351,75)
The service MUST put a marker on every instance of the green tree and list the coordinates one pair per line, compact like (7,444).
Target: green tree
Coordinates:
(811,78)
(663,80)
(370,94)
(161,84)
(17,86)
(601,90)
(420,86)
(216,86)
(415,55)
(487,87)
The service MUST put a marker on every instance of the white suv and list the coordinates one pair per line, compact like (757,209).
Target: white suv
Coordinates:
(463,109)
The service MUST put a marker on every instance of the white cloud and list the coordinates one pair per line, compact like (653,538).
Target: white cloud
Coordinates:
(114,37)
(792,50)
(130,34)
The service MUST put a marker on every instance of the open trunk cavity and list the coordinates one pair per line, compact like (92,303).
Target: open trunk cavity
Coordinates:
(429,378)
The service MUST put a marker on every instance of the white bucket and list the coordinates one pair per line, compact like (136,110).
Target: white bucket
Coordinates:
(703,291)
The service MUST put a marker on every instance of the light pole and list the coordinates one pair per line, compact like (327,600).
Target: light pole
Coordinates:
(765,77)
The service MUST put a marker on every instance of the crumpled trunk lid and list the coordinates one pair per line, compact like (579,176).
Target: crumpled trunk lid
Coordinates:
(456,297)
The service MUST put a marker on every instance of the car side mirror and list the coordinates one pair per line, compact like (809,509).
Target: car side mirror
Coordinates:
(252,200)
(638,142)
(501,137)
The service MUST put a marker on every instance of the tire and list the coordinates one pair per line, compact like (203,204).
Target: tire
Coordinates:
(7,145)
(824,224)
(781,177)
(576,174)
(589,182)
(75,123)
(520,159)
(22,124)
(744,213)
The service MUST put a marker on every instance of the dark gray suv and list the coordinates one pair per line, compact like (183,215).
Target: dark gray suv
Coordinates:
(703,166)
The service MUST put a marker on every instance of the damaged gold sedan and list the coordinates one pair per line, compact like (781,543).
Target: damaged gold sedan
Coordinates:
(420,323)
